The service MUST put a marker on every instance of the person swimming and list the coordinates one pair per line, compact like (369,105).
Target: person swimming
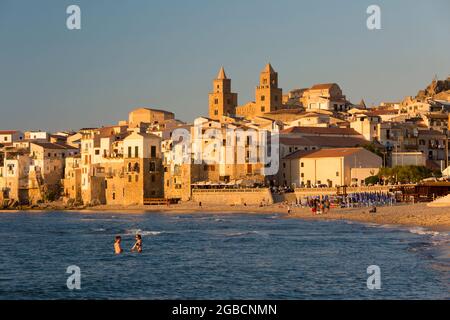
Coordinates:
(138,244)
(117,247)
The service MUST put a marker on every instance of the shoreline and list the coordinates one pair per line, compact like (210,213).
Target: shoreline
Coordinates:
(404,215)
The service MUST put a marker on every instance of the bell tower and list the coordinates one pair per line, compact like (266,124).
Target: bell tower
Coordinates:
(268,96)
(222,102)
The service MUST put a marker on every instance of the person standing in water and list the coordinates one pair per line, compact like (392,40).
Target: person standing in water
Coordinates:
(117,247)
(138,244)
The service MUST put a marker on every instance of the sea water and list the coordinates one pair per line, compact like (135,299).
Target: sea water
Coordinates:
(210,256)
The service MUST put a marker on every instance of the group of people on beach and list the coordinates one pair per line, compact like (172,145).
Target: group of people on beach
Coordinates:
(353,200)
(137,247)
(320,206)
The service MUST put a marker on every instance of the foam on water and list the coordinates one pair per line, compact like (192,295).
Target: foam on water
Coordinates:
(142,232)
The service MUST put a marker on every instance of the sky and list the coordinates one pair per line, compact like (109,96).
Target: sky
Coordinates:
(164,54)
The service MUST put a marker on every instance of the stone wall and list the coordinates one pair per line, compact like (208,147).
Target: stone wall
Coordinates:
(233,196)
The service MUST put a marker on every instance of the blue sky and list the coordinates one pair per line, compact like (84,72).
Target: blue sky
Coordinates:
(164,54)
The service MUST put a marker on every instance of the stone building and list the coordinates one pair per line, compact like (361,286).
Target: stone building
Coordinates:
(222,102)
(325,96)
(117,166)
(268,96)
(147,116)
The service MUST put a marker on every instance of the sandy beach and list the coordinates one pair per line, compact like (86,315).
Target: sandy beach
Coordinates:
(412,215)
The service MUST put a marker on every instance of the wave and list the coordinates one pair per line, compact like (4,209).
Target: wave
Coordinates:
(423,231)
(142,232)
(243,233)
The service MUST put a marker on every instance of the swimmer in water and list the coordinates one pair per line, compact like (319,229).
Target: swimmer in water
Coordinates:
(117,247)
(138,245)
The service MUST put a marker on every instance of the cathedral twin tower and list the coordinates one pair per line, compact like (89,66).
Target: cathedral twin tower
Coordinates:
(223,102)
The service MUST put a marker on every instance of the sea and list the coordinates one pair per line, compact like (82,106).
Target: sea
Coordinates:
(69,255)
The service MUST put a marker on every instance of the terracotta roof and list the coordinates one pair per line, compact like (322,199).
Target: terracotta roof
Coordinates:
(8,131)
(438,116)
(298,154)
(296,141)
(430,133)
(333,153)
(287,111)
(380,112)
(337,142)
(322,86)
(324,153)
(321,131)
(48,145)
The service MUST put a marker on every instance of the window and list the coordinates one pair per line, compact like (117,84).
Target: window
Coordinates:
(263,109)
(129,178)
(137,178)
(129,152)
(153,152)
(302,175)
(216,101)
(97,152)
(337,173)
(263,98)
(216,112)
(136,152)
(302,165)
(152,166)
(114,196)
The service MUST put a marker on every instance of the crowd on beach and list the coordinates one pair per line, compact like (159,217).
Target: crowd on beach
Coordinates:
(323,204)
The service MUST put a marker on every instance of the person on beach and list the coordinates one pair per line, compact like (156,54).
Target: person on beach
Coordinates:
(327,205)
(138,244)
(117,247)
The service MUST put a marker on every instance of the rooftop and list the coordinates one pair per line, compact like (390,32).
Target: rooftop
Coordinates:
(324,153)
(321,131)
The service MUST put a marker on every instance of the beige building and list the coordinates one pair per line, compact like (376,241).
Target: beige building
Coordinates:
(9,136)
(326,96)
(146,116)
(14,168)
(330,167)
(117,166)
(366,125)
(72,178)
(219,153)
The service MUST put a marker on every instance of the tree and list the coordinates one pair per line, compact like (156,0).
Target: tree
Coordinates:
(372,180)
(373,148)
(406,174)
